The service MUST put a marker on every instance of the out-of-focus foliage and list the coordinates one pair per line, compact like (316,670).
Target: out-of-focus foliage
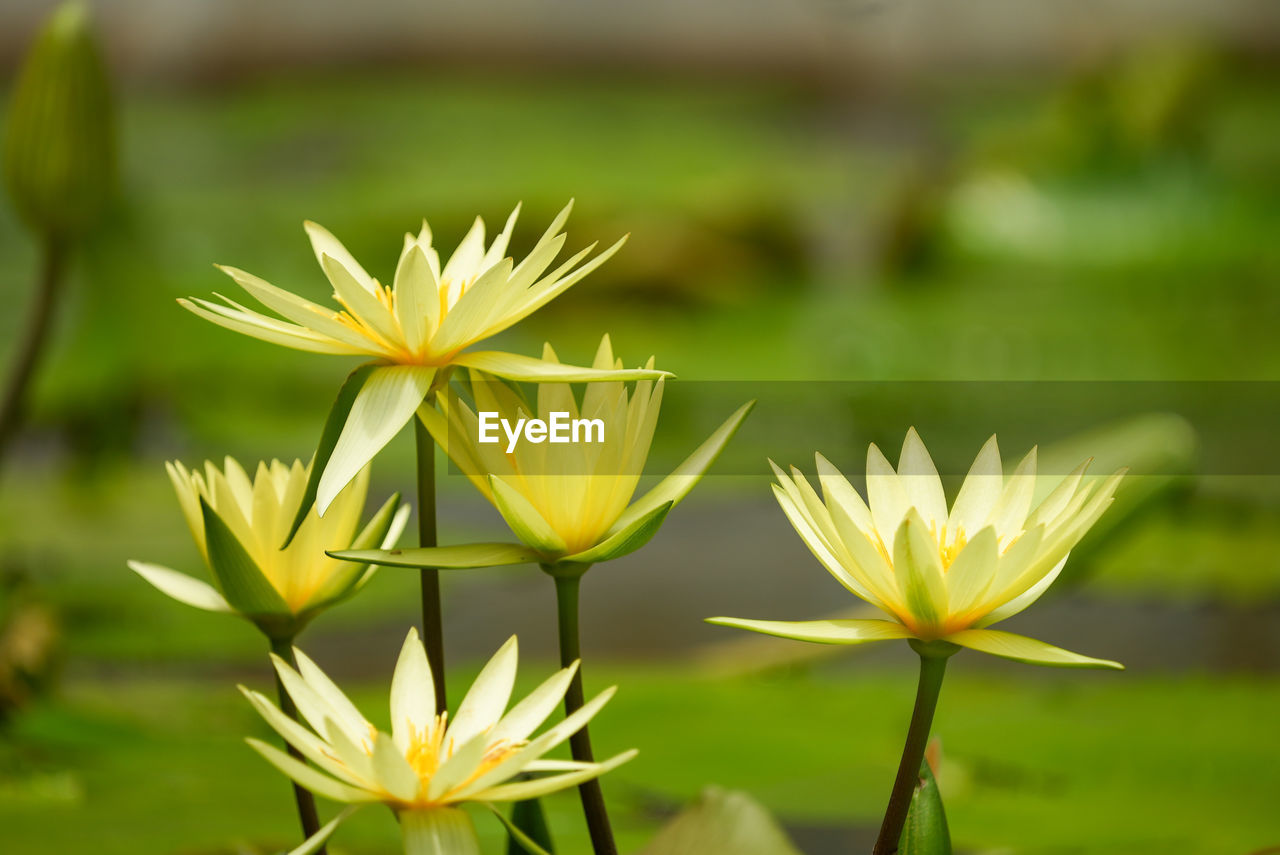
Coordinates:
(721,822)
(29,636)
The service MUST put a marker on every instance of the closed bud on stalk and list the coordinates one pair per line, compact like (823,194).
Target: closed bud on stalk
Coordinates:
(59,146)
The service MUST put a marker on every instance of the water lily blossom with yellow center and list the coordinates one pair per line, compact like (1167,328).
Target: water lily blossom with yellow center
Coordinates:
(429,765)
(939,574)
(414,329)
(569,503)
(239,523)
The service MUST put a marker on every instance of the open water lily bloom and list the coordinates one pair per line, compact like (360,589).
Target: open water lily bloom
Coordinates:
(415,329)
(428,765)
(939,574)
(239,523)
(569,503)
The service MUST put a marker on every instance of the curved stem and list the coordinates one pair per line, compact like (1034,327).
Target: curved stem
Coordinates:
(36,334)
(432,622)
(580,743)
(302,796)
(932,669)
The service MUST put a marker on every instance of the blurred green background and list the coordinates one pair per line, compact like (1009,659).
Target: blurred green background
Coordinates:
(848,192)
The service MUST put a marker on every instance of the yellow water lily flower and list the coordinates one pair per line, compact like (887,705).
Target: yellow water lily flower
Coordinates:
(239,523)
(570,503)
(414,329)
(428,765)
(940,575)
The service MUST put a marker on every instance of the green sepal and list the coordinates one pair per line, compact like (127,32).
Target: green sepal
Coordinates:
(462,557)
(529,817)
(242,582)
(517,835)
(925,832)
(333,425)
(677,485)
(626,540)
(524,520)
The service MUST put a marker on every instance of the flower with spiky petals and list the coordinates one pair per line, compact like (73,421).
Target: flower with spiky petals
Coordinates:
(238,524)
(428,766)
(570,503)
(414,330)
(939,575)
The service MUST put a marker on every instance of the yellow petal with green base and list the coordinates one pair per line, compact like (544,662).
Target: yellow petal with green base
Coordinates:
(526,369)
(1022,649)
(316,782)
(385,403)
(182,587)
(838,631)
(677,485)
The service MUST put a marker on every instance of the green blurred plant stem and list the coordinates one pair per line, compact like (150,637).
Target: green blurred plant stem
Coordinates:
(580,743)
(932,668)
(432,622)
(306,802)
(53,264)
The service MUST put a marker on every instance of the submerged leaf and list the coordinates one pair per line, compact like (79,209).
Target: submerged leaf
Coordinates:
(722,822)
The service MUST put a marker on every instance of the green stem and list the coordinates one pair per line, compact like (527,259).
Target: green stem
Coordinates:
(932,669)
(35,337)
(302,796)
(580,743)
(432,622)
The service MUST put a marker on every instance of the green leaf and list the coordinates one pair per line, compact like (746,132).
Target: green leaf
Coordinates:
(461,557)
(333,425)
(722,822)
(836,631)
(243,584)
(677,485)
(626,540)
(926,830)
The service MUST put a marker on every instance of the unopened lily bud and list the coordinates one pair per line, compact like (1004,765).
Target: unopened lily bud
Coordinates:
(925,832)
(59,146)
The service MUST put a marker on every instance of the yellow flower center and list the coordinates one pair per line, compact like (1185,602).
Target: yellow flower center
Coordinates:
(428,751)
(448,292)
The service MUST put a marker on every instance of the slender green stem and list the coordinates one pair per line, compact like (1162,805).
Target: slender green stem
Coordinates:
(580,743)
(35,337)
(932,669)
(302,796)
(432,622)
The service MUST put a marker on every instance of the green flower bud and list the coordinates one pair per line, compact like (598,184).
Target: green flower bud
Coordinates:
(60,146)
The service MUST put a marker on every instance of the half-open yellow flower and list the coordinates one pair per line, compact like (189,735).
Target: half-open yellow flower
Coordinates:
(239,523)
(940,575)
(414,329)
(569,502)
(428,765)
